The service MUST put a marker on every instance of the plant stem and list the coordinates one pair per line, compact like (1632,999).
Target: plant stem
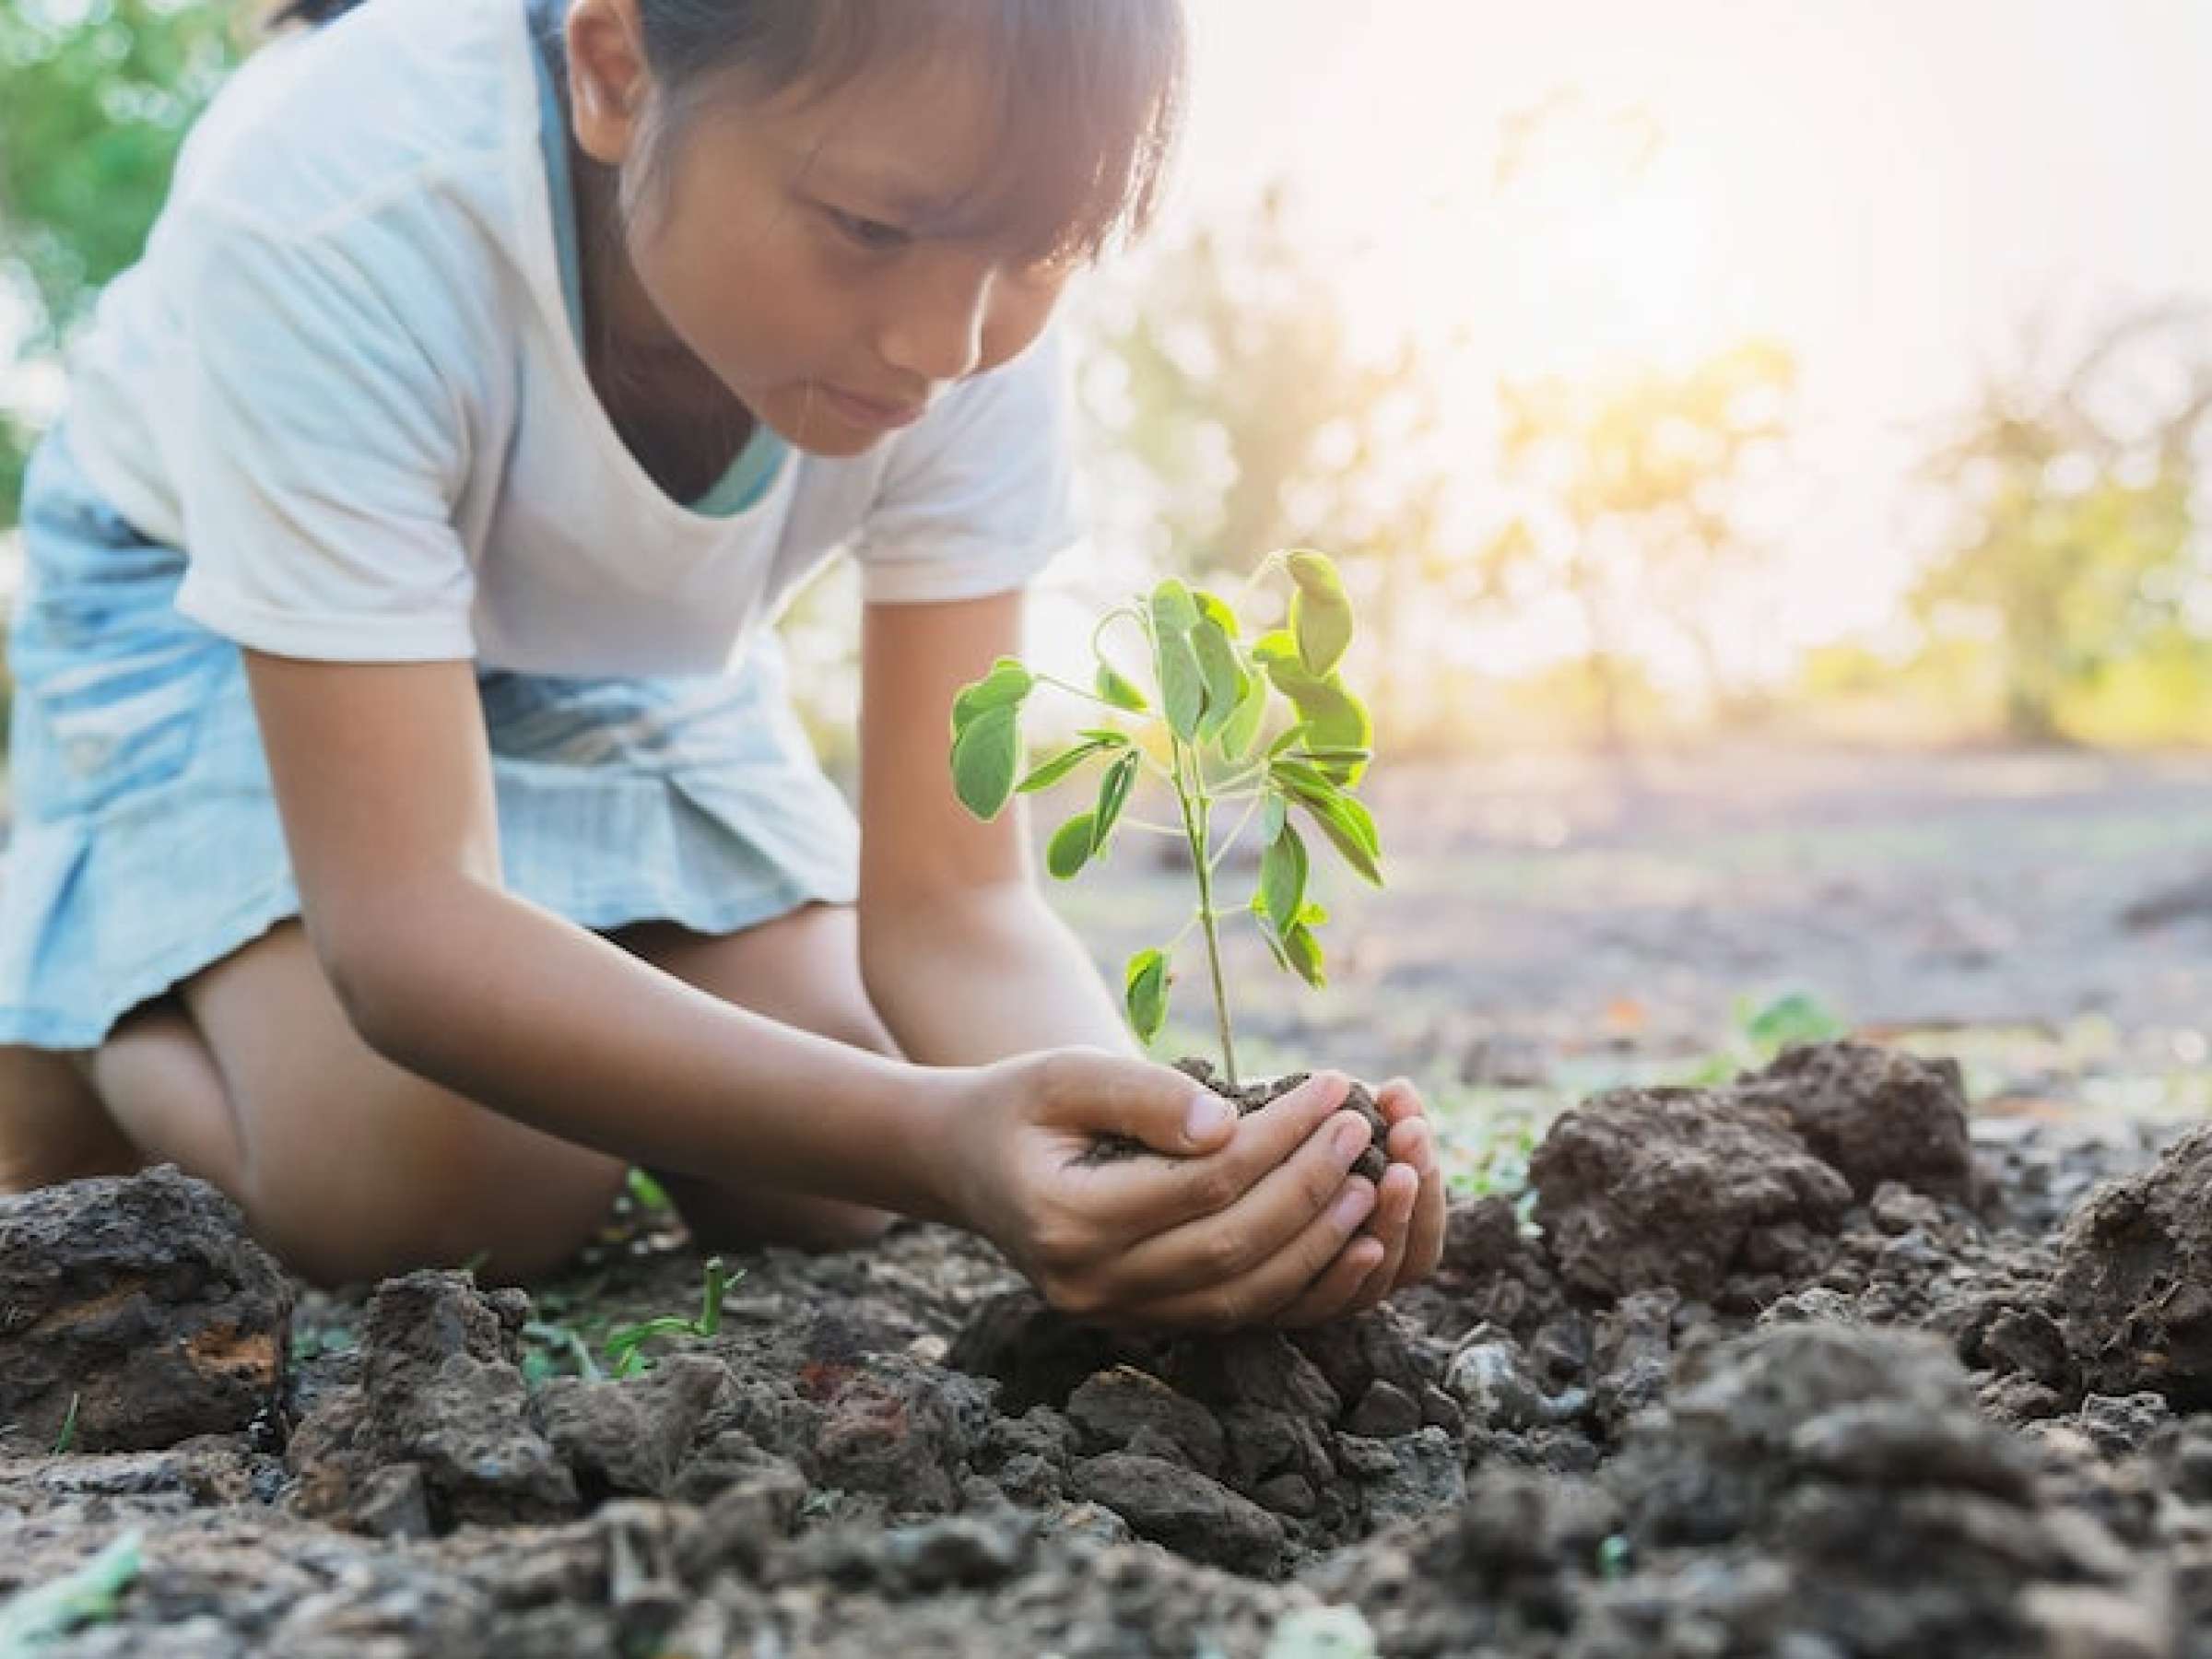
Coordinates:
(1229,841)
(1085,692)
(1195,826)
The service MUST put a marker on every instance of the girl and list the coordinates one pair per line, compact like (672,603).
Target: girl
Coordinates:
(395,847)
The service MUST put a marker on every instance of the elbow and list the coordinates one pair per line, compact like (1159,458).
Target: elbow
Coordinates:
(377,977)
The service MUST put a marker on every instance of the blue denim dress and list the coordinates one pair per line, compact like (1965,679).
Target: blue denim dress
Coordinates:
(146,844)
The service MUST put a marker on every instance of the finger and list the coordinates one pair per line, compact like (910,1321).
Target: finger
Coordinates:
(1095,1092)
(1413,1143)
(1148,1195)
(1398,1102)
(1330,1295)
(1425,1241)
(1224,1246)
(1252,1297)
(1390,1224)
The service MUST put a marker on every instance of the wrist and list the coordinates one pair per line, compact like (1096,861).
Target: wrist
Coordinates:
(938,1170)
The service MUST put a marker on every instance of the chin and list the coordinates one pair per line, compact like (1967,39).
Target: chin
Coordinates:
(814,430)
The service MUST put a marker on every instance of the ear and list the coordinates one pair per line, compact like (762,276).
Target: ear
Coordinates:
(608,79)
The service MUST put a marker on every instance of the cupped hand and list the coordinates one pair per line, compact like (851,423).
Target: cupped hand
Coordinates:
(1244,1220)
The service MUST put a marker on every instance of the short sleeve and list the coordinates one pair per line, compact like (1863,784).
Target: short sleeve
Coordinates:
(979,494)
(317,457)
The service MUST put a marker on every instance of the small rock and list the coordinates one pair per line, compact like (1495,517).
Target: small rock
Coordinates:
(1384,1411)
(1114,1406)
(393,1502)
(2135,1280)
(1486,1376)
(1184,1511)
(142,1303)
(629,1434)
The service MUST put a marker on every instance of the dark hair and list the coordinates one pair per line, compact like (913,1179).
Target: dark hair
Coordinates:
(1087,92)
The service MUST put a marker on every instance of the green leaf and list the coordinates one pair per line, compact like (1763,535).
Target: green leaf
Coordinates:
(1048,773)
(31,1619)
(1272,815)
(1114,794)
(1334,717)
(1224,676)
(1275,646)
(1216,609)
(1145,991)
(1181,685)
(1321,616)
(1331,717)
(1008,683)
(1173,609)
(1241,729)
(985,757)
(1303,952)
(1069,849)
(1348,825)
(1120,691)
(1283,876)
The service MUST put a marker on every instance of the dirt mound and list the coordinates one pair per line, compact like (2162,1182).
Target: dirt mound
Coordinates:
(2135,1280)
(1686,1189)
(1755,1374)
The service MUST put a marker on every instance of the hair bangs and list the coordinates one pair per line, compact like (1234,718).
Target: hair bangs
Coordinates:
(1089,98)
(1084,101)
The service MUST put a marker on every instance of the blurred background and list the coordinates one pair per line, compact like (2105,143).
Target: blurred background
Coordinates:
(1766,443)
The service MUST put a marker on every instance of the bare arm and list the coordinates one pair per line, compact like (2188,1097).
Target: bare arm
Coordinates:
(385,783)
(962,956)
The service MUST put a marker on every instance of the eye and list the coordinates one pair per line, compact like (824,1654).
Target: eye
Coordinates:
(873,235)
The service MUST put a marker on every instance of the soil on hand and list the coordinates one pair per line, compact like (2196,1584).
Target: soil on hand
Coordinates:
(1249,1097)
(1781,1367)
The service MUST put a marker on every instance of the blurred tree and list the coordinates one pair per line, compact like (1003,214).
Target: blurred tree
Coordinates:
(95,98)
(2075,550)
(1238,415)
(1631,493)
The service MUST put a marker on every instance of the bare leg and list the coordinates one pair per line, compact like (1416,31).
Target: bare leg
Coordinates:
(52,1126)
(348,1166)
(161,1083)
(802,968)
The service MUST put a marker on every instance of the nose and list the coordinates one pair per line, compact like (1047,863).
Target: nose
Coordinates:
(934,327)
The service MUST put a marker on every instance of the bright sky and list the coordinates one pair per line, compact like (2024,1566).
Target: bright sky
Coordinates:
(1891,187)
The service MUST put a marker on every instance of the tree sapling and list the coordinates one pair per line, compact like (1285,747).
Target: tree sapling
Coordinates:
(1203,729)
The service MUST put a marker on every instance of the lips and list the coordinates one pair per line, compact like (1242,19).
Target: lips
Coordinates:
(880,414)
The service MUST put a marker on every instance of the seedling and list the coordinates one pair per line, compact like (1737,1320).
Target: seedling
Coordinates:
(1762,1030)
(623,1359)
(1207,713)
(89,1596)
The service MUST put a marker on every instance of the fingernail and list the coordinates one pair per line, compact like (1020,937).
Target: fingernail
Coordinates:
(1326,1082)
(1209,1115)
(1351,1209)
(1352,1138)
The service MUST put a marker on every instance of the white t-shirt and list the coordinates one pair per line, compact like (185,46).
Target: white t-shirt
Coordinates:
(343,380)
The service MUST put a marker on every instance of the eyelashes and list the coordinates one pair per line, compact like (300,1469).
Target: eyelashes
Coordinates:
(871,236)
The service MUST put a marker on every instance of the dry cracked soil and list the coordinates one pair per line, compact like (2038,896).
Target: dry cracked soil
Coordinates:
(1794,1365)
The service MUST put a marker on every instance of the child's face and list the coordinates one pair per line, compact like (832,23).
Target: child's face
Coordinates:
(814,254)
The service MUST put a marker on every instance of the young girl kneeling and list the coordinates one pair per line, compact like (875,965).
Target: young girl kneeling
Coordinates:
(396,846)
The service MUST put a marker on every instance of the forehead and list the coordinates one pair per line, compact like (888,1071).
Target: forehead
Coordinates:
(927,140)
